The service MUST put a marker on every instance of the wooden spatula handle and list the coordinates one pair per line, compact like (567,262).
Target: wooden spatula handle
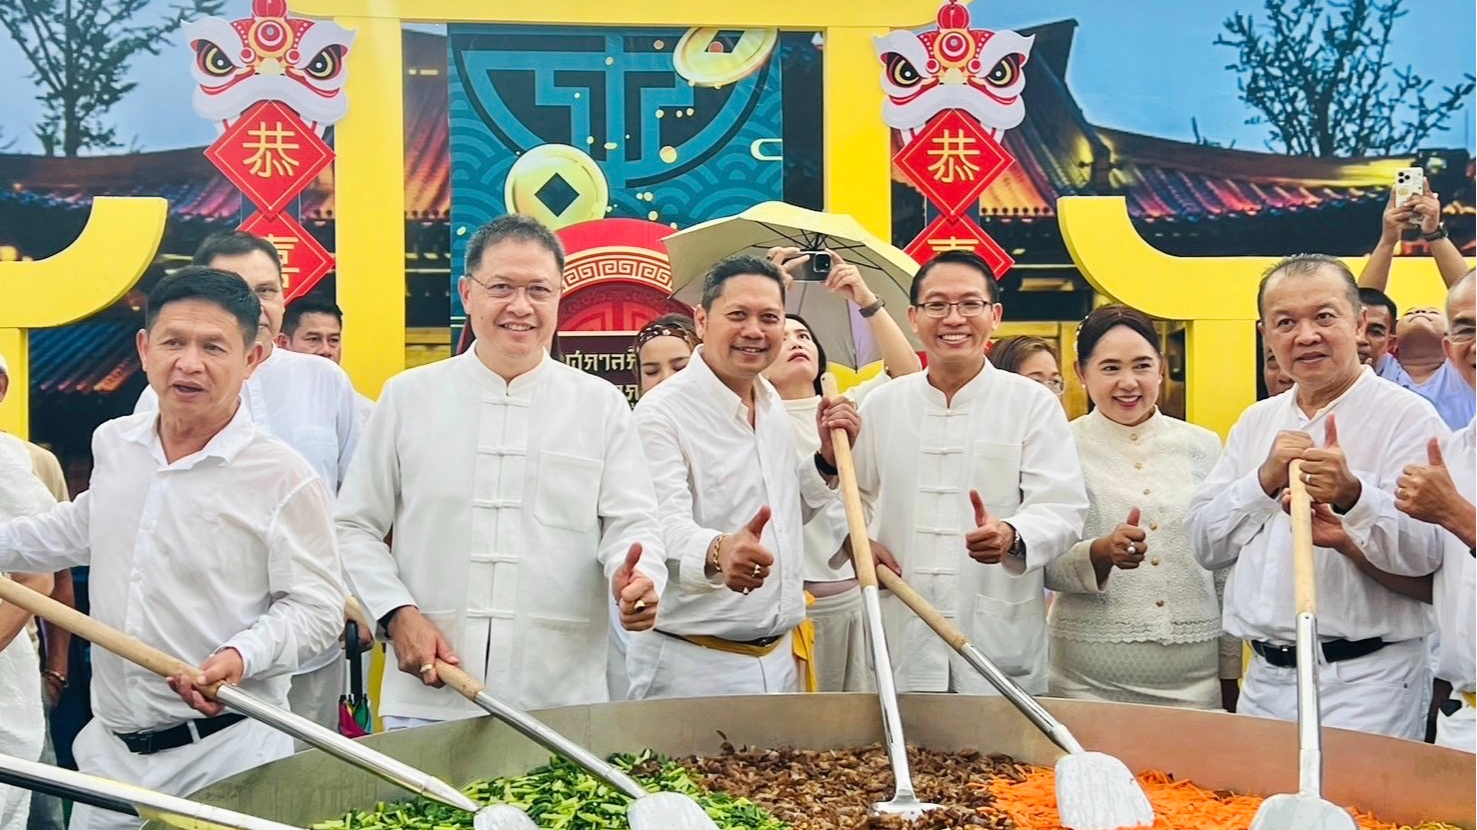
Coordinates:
(1301,512)
(104,636)
(458,679)
(856,518)
(923,608)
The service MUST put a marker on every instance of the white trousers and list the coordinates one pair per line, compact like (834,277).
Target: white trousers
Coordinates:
(842,661)
(663,666)
(22,721)
(178,771)
(314,694)
(1379,693)
(1459,729)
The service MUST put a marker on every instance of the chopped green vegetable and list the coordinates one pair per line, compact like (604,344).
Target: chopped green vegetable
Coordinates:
(562,796)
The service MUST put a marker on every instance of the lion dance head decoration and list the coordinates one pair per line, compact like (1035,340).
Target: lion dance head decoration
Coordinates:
(953,67)
(269,56)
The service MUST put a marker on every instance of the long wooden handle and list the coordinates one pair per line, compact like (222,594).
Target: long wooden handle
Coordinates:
(99,634)
(459,680)
(922,607)
(856,519)
(1301,511)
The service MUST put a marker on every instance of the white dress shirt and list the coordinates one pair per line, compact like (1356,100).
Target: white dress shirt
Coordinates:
(1381,429)
(713,472)
(917,459)
(305,400)
(232,546)
(1455,591)
(512,506)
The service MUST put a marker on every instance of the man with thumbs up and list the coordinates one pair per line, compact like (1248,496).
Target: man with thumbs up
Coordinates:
(973,482)
(1354,434)
(732,501)
(1442,491)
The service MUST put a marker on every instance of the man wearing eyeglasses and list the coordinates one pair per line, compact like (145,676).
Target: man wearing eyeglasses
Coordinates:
(983,488)
(519,497)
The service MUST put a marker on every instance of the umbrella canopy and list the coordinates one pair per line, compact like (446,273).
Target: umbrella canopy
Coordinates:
(887,270)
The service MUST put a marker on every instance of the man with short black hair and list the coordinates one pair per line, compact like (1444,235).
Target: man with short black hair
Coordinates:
(315,325)
(974,484)
(519,499)
(308,403)
(733,501)
(1380,315)
(1354,434)
(207,539)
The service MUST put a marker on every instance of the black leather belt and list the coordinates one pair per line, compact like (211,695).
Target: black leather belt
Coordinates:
(1286,657)
(148,743)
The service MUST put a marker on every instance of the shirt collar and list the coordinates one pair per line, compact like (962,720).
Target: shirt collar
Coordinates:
(493,381)
(1366,375)
(967,393)
(718,392)
(225,444)
(1146,427)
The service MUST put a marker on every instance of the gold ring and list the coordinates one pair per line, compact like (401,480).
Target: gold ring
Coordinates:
(756,569)
(427,667)
(1307,478)
(640,605)
(746,592)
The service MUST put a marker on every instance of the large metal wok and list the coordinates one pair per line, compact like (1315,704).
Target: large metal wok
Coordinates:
(1400,781)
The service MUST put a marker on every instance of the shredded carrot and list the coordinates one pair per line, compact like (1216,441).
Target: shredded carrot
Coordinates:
(1178,805)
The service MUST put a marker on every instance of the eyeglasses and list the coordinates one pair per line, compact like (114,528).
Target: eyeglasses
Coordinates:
(967,308)
(1462,334)
(1056,385)
(537,292)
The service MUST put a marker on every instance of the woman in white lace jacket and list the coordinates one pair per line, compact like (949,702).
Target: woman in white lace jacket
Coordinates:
(1137,619)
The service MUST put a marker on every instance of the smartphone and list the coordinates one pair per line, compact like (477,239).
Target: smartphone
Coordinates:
(1410,182)
(819,267)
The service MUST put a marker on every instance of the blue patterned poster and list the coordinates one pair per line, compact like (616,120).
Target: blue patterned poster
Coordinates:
(572,124)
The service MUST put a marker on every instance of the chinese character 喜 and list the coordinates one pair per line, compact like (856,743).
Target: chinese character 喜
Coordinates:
(271,145)
(284,246)
(953,153)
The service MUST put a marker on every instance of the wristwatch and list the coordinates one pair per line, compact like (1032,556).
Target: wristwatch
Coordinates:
(1439,233)
(877,304)
(1018,548)
(53,674)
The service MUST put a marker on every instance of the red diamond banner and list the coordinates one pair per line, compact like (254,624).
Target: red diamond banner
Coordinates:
(270,155)
(946,234)
(952,160)
(304,261)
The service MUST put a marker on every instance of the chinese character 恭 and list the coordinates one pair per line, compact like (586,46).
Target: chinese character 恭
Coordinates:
(952,153)
(271,145)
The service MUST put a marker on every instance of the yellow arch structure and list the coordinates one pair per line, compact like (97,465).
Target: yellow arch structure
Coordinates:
(1215,296)
(115,248)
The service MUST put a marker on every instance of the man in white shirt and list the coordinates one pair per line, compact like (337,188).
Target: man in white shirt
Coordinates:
(1442,492)
(309,404)
(733,506)
(972,480)
(315,325)
(1374,657)
(207,538)
(519,500)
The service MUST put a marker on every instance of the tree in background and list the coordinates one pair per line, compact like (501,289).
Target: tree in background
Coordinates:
(79,51)
(1317,73)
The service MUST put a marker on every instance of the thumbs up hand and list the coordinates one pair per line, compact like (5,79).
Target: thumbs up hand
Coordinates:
(1426,491)
(742,557)
(990,540)
(1326,472)
(634,592)
(1123,548)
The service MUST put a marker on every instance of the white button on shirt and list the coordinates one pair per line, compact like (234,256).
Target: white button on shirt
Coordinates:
(713,472)
(1381,429)
(231,546)
(305,400)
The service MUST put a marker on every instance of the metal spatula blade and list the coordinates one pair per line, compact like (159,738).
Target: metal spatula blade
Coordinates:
(1095,791)
(1301,812)
(668,811)
(502,817)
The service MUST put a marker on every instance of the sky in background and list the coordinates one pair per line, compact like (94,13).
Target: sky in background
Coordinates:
(1145,66)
